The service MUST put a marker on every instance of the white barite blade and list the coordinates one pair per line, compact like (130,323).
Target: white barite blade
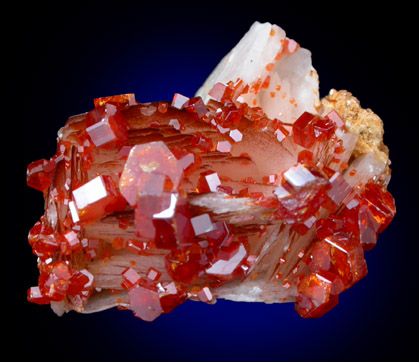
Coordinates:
(293,86)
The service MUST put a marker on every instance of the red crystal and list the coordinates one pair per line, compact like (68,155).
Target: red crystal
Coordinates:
(289,46)
(118,243)
(220,235)
(55,283)
(165,236)
(162,107)
(145,303)
(368,227)
(202,142)
(136,246)
(153,274)
(220,129)
(179,101)
(171,297)
(328,226)
(176,124)
(324,129)
(347,259)
(202,224)
(188,264)
(38,175)
(95,199)
(305,157)
(208,182)
(46,243)
(334,116)
(130,278)
(205,295)
(34,232)
(223,146)
(236,135)
(70,243)
(220,92)
(226,252)
(222,268)
(281,133)
(106,126)
(188,160)
(81,283)
(315,297)
(152,160)
(121,100)
(35,296)
(197,107)
(270,180)
(309,128)
(299,176)
(381,204)
(303,131)
(229,116)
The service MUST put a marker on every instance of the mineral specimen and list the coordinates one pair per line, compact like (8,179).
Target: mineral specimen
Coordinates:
(254,189)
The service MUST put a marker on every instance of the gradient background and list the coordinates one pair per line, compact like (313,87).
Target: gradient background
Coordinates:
(69,54)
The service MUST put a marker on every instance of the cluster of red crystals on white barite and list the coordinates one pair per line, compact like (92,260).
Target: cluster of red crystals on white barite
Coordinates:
(149,187)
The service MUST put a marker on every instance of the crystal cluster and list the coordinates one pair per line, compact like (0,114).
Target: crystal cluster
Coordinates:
(252,190)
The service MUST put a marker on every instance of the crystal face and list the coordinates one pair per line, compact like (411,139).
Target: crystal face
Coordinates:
(253,189)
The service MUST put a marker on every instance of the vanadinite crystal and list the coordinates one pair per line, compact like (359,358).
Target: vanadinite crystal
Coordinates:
(253,189)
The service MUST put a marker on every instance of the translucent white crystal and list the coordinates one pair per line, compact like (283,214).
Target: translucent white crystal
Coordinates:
(292,73)
(364,168)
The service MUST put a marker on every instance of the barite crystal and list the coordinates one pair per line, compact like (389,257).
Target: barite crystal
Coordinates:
(254,189)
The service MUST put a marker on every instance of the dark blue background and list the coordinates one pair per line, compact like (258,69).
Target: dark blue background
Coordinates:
(69,54)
